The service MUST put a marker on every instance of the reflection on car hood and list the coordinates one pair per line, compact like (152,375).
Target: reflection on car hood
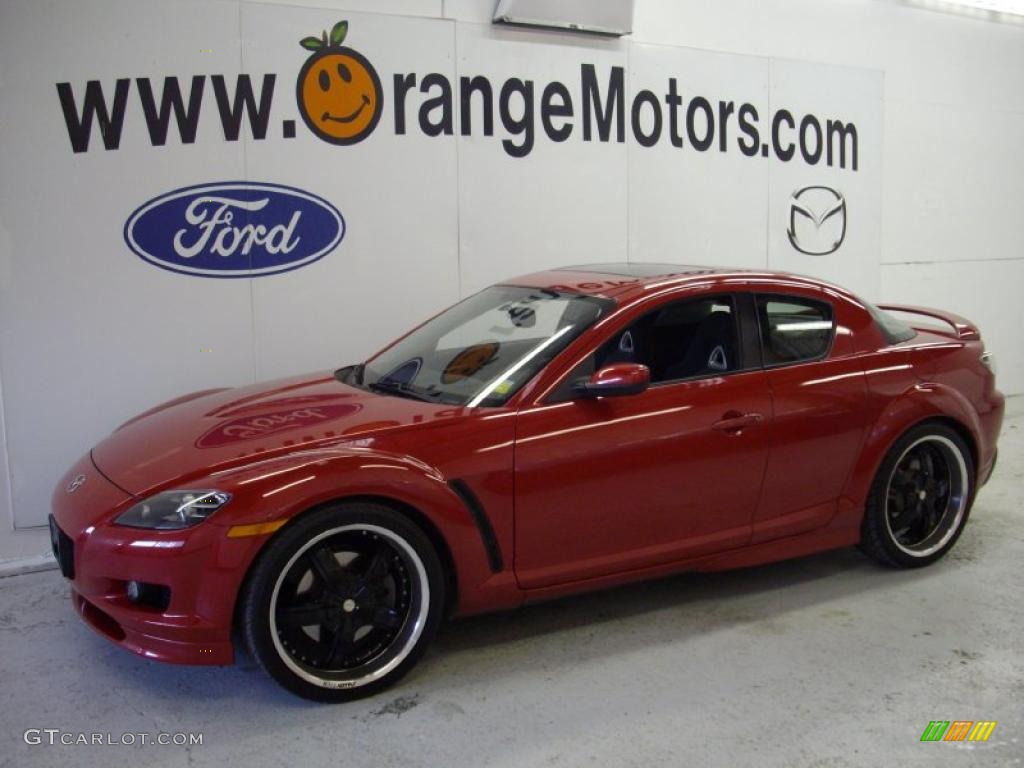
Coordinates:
(221,428)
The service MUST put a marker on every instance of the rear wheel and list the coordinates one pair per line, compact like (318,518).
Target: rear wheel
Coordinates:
(920,498)
(343,602)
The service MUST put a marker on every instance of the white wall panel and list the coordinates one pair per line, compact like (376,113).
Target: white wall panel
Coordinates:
(935,57)
(686,205)
(398,261)
(987,293)
(824,93)
(91,333)
(6,508)
(476,11)
(563,203)
(426,8)
(954,184)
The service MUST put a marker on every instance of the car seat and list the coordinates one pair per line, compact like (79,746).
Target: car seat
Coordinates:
(712,348)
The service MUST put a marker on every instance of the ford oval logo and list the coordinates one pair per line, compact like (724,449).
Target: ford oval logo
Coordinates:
(234,229)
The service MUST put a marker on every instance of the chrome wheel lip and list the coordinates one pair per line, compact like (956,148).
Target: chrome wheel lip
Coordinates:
(956,506)
(419,619)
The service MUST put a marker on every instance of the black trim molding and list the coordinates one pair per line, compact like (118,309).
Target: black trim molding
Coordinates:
(483,523)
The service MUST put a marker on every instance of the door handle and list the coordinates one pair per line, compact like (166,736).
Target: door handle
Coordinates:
(734,422)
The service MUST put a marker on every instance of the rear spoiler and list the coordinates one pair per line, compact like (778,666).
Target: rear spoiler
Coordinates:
(963,329)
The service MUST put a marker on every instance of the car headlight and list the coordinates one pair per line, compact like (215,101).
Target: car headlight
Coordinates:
(174,510)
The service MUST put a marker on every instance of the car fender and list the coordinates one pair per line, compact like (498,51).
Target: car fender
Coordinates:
(282,488)
(920,402)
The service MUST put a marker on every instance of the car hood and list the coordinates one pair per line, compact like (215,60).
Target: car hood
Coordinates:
(216,429)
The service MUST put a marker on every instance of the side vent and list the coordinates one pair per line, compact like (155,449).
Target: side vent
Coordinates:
(483,523)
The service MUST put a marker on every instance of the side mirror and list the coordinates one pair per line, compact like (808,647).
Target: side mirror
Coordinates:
(615,380)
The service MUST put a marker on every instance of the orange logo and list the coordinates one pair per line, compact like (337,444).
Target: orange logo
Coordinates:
(469,361)
(338,90)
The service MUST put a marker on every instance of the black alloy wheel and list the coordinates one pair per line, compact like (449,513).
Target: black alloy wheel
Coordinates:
(343,601)
(920,499)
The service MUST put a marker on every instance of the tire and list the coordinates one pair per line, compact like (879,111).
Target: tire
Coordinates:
(370,585)
(920,498)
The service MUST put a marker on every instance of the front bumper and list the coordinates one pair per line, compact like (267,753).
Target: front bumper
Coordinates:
(201,567)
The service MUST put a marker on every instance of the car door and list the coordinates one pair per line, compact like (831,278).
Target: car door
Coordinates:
(620,483)
(819,393)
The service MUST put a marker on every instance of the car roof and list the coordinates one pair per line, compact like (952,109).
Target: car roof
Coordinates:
(628,282)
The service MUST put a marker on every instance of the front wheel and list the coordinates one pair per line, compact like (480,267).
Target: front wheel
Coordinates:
(920,498)
(343,602)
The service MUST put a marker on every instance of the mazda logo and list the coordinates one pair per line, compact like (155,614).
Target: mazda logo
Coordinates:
(817,220)
(75,484)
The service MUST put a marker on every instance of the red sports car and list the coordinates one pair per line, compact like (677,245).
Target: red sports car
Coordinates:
(565,431)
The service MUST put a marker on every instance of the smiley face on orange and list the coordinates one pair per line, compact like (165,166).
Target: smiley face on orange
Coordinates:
(338,90)
(469,361)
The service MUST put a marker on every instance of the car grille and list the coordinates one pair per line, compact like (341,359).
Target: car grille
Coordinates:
(63,549)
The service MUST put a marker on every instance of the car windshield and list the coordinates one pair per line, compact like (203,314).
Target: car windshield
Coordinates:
(482,350)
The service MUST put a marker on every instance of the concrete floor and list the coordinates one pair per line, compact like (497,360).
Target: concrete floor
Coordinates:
(828,661)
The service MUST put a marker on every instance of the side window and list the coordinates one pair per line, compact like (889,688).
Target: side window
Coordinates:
(683,340)
(794,329)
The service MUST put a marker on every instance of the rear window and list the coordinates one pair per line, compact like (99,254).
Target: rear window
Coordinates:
(892,329)
(794,329)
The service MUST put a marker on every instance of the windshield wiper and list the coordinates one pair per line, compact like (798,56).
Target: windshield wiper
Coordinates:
(403,390)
